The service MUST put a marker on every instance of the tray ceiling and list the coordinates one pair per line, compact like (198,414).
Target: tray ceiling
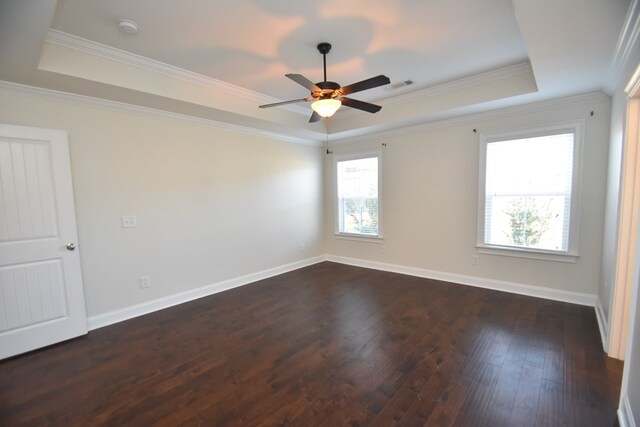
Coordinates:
(219,60)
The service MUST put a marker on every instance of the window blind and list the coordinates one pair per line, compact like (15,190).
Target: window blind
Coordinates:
(528,187)
(357,196)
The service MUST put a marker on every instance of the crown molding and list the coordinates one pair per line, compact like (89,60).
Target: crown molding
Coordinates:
(90,47)
(463,119)
(628,38)
(88,101)
(452,85)
(463,83)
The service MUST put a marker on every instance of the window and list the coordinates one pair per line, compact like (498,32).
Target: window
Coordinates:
(358,195)
(528,192)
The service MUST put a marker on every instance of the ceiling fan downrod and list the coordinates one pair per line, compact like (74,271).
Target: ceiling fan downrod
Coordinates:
(327,89)
(324,48)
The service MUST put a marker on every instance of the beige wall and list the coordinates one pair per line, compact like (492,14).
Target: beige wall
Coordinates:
(430,196)
(211,204)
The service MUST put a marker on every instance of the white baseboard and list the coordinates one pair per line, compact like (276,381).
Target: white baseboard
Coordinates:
(625,414)
(603,325)
(480,282)
(115,316)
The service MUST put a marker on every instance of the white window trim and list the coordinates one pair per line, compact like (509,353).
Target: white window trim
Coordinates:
(355,236)
(359,237)
(571,255)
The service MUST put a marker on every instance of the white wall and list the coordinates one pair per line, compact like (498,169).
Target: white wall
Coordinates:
(430,196)
(610,240)
(211,204)
(630,393)
(616,141)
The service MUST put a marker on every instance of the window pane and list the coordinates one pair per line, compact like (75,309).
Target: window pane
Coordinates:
(528,192)
(527,166)
(358,196)
(528,222)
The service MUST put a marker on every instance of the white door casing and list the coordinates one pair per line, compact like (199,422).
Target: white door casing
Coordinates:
(41,293)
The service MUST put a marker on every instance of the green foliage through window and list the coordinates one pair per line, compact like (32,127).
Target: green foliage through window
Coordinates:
(360,215)
(528,222)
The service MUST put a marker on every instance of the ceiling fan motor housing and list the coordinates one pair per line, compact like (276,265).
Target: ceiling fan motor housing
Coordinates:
(327,90)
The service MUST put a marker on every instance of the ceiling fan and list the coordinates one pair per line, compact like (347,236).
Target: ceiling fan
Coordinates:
(329,96)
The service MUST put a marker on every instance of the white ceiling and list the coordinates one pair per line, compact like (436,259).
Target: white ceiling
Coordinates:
(252,44)
(219,59)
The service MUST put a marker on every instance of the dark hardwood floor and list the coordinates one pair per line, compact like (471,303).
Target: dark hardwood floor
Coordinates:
(327,345)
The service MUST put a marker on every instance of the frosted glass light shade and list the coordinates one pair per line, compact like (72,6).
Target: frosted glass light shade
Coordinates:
(326,107)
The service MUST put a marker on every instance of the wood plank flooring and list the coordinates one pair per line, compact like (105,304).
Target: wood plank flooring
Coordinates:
(327,345)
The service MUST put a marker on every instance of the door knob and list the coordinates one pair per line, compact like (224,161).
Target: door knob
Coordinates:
(71,246)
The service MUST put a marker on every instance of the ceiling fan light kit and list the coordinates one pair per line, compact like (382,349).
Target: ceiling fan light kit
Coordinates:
(328,96)
(326,107)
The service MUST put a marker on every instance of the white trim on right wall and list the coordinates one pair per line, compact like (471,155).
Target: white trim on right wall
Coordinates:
(603,325)
(625,415)
(629,212)
(623,310)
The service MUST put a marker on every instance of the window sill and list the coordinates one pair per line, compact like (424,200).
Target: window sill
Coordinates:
(358,237)
(528,253)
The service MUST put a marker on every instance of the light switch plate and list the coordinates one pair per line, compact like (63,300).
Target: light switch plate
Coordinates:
(129,221)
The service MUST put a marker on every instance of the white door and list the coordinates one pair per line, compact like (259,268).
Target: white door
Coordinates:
(41,295)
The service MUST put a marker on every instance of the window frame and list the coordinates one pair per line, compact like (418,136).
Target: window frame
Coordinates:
(337,158)
(571,254)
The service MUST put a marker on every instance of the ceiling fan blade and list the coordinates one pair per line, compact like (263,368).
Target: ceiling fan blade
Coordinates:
(303,81)
(380,80)
(314,117)
(275,104)
(360,105)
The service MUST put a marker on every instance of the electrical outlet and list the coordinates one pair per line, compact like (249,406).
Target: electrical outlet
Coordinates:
(474,259)
(145,282)
(129,221)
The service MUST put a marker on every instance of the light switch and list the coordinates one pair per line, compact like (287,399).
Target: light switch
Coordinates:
(129,221)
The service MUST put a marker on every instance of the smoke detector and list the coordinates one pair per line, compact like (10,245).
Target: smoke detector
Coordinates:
(127,26)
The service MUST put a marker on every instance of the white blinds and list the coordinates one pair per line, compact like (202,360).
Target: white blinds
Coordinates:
(528,192)
(357,187)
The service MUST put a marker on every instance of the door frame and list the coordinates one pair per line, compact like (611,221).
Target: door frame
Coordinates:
(629,208)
